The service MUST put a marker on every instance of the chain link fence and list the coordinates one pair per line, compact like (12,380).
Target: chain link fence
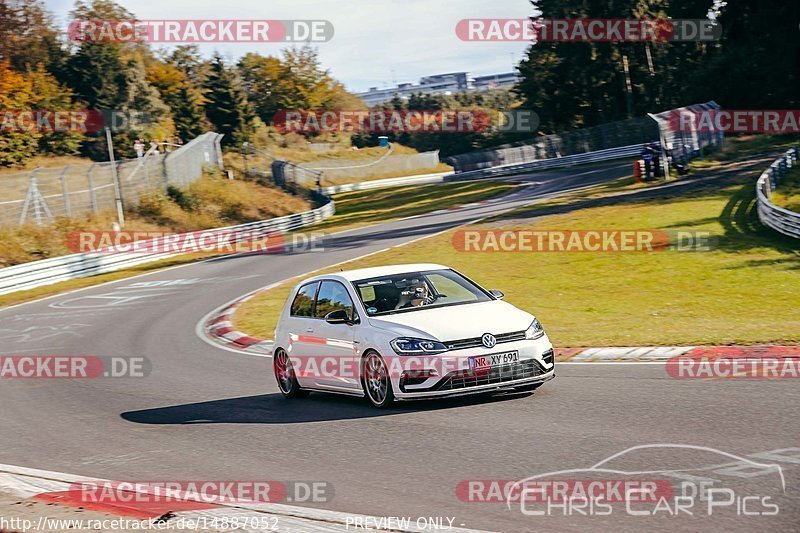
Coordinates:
(310,174)
(683,145)
(612,135)
(40,195)
(339,171)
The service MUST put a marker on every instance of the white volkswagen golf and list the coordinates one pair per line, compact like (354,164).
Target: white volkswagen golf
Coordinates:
(406,332)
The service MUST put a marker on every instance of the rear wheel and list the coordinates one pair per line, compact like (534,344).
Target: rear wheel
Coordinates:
(284,374)
(375,381)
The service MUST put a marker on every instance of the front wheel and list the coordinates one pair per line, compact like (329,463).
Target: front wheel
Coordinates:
(284,373)
(375,381)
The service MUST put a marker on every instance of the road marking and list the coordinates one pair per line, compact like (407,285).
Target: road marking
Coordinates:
(46,486)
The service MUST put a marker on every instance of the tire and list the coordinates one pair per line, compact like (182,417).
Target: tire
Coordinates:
(375,381)
(284,375)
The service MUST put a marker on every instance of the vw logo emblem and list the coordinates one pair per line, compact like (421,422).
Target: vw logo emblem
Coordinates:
(488,340)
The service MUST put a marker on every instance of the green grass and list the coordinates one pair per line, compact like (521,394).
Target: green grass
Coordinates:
(745,146)
(381,205)
(745,291)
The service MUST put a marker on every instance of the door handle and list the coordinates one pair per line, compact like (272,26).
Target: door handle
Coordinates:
(309,330)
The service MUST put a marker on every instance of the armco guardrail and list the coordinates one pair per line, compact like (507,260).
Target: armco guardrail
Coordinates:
(622,152)
(57,269)
(421,179)
(777,218)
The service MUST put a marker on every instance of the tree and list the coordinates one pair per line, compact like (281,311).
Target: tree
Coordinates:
(755,65)
(28,36)
(181,96)
(226,105)
(16,94)
(261,77)
(49,95)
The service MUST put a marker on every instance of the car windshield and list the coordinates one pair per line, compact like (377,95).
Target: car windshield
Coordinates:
(412,291)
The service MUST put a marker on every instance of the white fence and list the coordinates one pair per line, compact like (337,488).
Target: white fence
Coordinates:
(777,218)
(421,179)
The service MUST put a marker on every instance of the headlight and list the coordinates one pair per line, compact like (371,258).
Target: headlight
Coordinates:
(408,346)
(535,330)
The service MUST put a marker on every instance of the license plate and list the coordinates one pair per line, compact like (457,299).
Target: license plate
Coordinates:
(485,362)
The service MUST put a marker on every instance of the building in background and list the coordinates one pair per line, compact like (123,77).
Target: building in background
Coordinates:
(448,83)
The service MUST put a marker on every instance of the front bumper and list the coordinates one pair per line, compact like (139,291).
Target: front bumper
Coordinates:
(535,365)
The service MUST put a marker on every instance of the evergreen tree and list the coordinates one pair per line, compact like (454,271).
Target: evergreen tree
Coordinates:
(227,108)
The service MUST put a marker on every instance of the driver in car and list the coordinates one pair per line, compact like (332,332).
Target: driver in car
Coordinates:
(416,294)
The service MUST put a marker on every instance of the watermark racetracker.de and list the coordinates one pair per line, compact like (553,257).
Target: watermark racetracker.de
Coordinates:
(73,367)
(384,121)
(594,240)
(225,241)
(190,493)
(71,120)
(200,31)
(578,30)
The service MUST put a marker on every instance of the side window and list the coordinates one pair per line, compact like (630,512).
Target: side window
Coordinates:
(303,304)
(332,297)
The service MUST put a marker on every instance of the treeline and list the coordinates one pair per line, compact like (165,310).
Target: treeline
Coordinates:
(174,95)
(488,104)
(754,65)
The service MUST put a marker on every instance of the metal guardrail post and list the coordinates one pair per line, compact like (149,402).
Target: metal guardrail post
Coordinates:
(64,191)
(92,193)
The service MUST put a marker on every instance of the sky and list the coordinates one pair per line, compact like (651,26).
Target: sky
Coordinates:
(376,42)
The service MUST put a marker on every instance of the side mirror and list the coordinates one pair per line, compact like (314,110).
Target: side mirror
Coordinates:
(497,294)
(339,316)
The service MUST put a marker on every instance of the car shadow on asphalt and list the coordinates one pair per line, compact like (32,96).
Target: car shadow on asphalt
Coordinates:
(318,407)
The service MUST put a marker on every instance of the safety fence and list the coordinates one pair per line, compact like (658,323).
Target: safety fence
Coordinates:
(635,131)
(345,164)
(780,219)
(40,195)
(310,174)
(677,144)
(419,179)
(338,170)
(57,269)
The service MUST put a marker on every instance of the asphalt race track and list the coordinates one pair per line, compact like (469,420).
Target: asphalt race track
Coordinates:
(207,413)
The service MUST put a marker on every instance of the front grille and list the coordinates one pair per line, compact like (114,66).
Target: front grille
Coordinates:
(476,341)
(498,374)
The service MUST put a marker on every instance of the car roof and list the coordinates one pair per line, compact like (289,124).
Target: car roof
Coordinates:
(374,272)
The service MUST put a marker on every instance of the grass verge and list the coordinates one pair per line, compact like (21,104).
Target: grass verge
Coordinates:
(787,194)
(381,205)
